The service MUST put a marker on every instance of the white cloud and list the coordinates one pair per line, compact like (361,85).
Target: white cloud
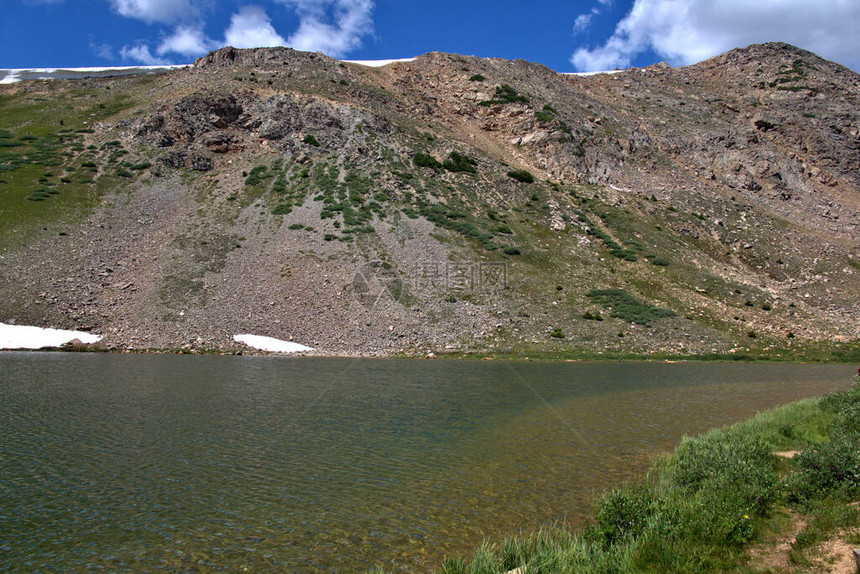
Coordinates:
(188,41)
(103,51)
(688,31)
(140,53)
(583,21)
(163,11)
(331,26)
(250,27)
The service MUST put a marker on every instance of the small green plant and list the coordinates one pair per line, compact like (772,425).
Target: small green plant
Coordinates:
(521,175)
(282,209)
(425,160)
(477,78)
(556,333)
(544,117)
(505,94)
(457,162)
(296,226)
(625,306)
(257,175)
(309,139)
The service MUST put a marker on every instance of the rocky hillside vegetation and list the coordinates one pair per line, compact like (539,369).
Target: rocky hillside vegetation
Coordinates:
(450,204)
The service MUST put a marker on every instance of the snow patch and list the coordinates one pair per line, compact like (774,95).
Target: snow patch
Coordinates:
(378,63)
(585,74)
(23,337)
(10,76)
(270,344)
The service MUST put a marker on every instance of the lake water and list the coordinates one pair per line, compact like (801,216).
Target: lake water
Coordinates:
(246,464)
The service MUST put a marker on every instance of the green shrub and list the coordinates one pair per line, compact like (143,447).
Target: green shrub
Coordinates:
(507,94)
(544,117)
(510,250)
(311,140)
(282,209)
(831,468)
(624,306)
(477,78)
(660,262)
(257,175)
(622,514)
(39,195)
(457,162)
(140,166)
(425,160)
(839,402)
(295,226)
(557,333)
(521,175)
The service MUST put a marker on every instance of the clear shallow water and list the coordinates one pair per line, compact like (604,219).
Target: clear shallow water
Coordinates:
(123,462)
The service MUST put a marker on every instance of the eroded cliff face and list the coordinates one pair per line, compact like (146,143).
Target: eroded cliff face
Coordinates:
(449,203)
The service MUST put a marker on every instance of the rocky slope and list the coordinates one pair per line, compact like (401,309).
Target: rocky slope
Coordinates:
(447,204)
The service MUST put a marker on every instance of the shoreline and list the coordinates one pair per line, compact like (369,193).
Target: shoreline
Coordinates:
(775,492)
(802,358)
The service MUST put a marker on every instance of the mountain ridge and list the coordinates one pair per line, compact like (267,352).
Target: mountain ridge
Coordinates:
(725,191)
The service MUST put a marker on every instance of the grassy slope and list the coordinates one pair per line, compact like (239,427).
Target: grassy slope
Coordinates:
(702,507)
(53,169)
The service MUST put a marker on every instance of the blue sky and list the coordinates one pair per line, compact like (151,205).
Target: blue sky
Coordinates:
(572,35)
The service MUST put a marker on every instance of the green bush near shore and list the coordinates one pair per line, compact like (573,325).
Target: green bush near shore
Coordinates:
(701,507)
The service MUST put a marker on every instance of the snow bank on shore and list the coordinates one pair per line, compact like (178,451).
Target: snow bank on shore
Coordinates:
(23,337)
(270,344)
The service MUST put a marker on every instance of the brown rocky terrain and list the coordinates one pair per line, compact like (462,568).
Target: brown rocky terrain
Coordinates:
(448,204)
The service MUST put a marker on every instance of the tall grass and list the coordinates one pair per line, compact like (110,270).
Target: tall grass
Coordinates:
(701,506)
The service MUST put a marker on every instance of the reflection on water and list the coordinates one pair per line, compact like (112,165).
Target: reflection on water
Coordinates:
(118,462)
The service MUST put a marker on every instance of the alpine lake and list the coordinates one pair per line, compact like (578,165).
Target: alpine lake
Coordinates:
(173,463)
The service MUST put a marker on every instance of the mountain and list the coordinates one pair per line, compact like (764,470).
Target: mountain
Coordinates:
(444,204)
